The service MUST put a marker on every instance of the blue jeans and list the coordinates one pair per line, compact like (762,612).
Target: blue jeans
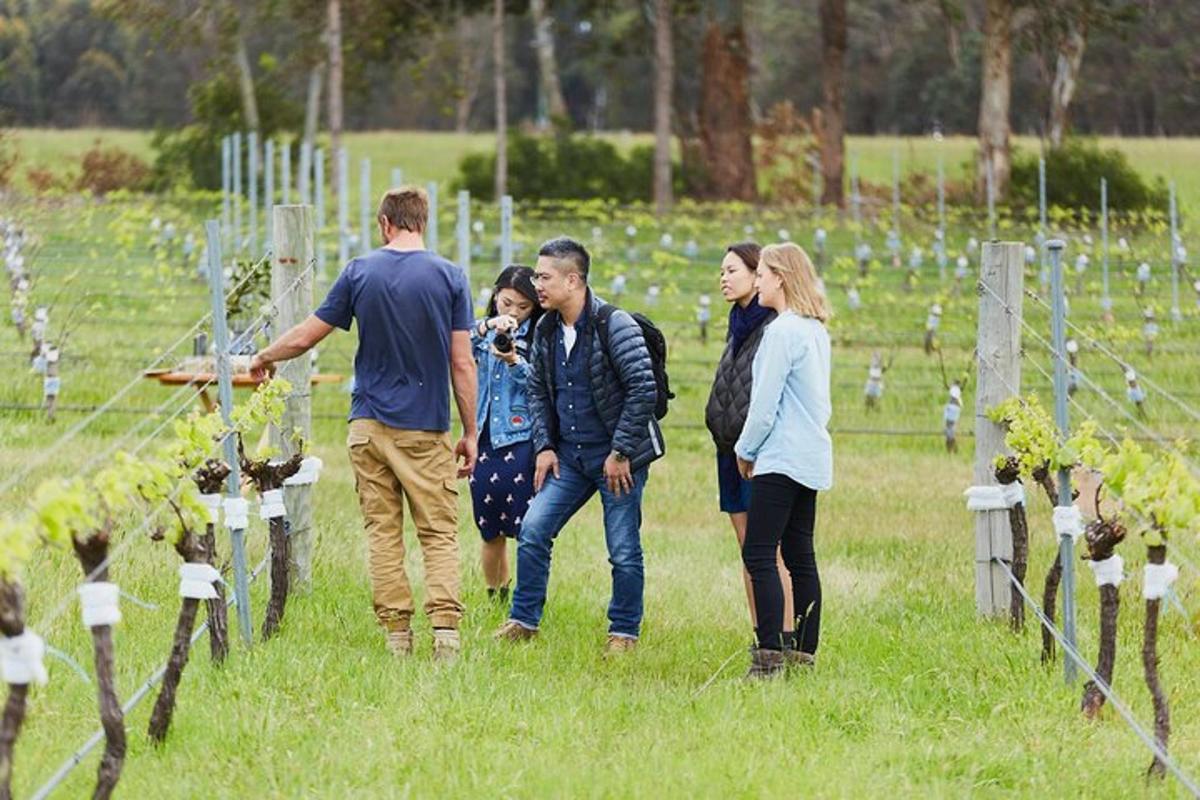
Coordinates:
(549,512)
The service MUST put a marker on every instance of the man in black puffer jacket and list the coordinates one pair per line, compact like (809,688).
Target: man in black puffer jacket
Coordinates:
(591,397)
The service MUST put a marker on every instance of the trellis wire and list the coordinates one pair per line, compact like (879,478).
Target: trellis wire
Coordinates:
(78,427)
(1117,703)
(77,757)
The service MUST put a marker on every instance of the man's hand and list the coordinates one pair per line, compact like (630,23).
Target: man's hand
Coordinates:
(547,462)
(618,475)
(465,452)
(745,468)
(302,337)
(260,368)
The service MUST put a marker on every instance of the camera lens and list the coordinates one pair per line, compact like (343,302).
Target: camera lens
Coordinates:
(503,342)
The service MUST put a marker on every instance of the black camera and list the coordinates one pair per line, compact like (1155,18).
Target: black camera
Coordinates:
(503,342)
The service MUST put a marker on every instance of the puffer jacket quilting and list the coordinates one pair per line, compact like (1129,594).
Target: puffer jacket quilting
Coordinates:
(622,385)
(729,400)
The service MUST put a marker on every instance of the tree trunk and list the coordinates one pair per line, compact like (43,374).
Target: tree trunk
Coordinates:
(334,33)
(664,80)
(499,62)
(543,42)
(10,728)
(1049,606)
(193,551)
(1162,712)
(952,16)
(995,99)
(112,719)
(246,82)
(280,556)
(1066,73)
(12,623)
(833,98)
(471,54)
(92,553)
(1007,474)
(1102,536)
(726,125)
(312,104)
(164,707)
(1110,607)
(218,609)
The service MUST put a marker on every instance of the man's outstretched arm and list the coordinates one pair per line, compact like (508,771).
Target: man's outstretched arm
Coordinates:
(297,341)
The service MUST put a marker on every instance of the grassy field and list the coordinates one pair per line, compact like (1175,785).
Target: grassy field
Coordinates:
(430,156)
(912,695)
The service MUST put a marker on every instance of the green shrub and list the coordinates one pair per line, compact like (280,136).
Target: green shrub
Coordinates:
(1073,173)
(565,167)
(190,157)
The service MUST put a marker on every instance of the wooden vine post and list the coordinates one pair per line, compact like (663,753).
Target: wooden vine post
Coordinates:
(292,293)
(1001,280)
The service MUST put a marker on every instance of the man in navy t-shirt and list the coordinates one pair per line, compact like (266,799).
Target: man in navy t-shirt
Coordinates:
(413,310)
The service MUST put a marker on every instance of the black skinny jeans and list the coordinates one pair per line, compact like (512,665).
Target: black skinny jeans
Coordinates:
(782,515)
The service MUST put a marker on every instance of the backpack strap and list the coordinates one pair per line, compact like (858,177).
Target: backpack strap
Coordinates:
(603,315)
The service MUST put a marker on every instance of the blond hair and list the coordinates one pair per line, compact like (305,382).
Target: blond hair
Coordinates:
(405,207)
(801,287)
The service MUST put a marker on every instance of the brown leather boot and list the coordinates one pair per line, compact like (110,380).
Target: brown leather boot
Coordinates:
(512,631)
(765,664)
(617,645)
(799,658)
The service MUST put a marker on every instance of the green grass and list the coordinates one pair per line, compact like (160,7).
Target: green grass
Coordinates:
(432,156)
(913,694)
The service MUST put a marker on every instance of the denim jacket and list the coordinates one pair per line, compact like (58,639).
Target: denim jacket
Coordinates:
(503,405)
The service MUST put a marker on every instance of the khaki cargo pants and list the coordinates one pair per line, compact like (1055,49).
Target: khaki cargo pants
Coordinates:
(390,465)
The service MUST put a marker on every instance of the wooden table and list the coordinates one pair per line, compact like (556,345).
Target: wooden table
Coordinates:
(242,380)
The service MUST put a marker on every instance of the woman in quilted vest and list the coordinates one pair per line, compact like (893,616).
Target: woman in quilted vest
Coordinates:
(730,398)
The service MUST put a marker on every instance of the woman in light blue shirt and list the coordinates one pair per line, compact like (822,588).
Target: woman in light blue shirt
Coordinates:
(785,448)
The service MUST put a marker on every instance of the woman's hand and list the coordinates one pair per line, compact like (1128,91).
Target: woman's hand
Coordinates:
(504,323)
(745,468)
(512,357)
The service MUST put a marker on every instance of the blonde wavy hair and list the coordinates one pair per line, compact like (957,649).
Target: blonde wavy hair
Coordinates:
(801,287)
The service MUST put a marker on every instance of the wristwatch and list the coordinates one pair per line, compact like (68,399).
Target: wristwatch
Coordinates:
(620,457)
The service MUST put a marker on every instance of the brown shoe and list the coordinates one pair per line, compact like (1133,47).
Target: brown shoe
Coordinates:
(400,643)
(446,645)
(765,664)
(513,631)
(799,658)
(616,645)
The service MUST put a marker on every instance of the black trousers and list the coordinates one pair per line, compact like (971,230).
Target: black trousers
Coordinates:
(782,515)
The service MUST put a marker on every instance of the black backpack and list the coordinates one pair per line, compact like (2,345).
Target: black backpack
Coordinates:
(656,343)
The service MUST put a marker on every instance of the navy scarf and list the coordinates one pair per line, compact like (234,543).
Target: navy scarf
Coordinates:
(743,322)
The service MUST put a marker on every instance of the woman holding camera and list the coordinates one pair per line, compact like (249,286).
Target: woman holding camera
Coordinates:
(502,484)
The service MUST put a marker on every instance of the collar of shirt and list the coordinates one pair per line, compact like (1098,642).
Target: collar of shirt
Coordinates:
(570,333)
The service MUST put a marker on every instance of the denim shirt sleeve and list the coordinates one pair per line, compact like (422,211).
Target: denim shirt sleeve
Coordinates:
(772,366)
(481,345)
